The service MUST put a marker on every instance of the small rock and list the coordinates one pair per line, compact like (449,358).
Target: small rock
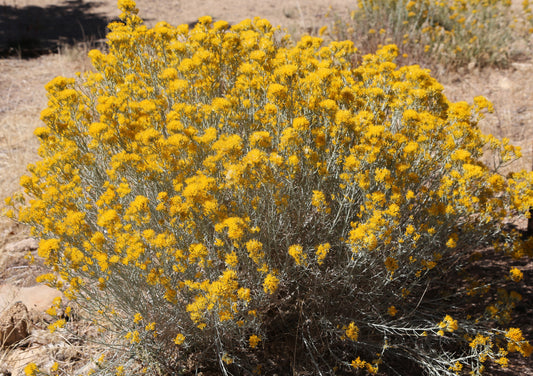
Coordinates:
(36,298)
(67,354)
(14,325)
(505,83)
(25,245)
(522,66)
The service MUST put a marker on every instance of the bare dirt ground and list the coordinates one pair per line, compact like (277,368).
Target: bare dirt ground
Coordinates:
(31,28)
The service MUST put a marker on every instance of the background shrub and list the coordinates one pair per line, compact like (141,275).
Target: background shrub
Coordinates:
(219,198)
(437,34)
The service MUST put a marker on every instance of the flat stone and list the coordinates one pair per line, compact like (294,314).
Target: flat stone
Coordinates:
(36,298)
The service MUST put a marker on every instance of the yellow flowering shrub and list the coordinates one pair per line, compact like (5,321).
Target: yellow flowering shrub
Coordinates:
(219,195)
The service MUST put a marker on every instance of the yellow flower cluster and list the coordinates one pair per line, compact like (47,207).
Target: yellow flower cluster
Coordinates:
(352,332)
(254,341)
(517,342)
(516,274)
(31,369)
(363,364)
(226,177)
(447,324)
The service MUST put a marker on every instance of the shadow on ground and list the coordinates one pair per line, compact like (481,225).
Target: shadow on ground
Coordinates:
(31,31)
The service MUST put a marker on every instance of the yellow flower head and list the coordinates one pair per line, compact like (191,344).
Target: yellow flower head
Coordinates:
(352,332)
(180,338)
(270,283)
(31,369)
(515,274)
(254,341)
(296,251)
